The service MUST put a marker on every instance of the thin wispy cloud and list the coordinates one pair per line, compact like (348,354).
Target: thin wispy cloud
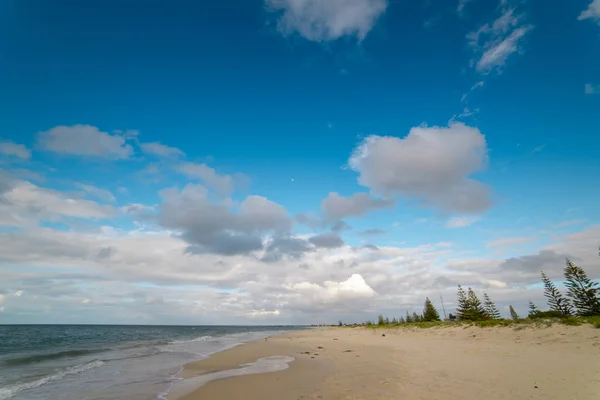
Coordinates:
(494,42)
(461,222)
(592,89)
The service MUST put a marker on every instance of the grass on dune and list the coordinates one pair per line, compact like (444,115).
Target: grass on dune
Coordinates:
(518,324)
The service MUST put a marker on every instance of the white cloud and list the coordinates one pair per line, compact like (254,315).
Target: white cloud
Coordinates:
(329,240)
(461,222)
(592,12)
(354,287)
(322,21)
(214,228)
(223,184)
(431,164)
(335,207)
(9,148)
(160,150)
(84,140)
(494,43)
(591,88)
(262,313)
(27,203)
(319,288)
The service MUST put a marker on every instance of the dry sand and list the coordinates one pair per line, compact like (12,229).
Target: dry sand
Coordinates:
(557,362)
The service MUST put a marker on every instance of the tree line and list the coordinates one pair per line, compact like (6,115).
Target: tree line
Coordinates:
(582,298)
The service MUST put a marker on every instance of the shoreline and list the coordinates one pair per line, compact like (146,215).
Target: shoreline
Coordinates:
(556,362)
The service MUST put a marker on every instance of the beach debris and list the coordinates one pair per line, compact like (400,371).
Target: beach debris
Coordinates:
(347,351)
(312,357)
(320,347)
(383,334)
(305,352)
(335,338)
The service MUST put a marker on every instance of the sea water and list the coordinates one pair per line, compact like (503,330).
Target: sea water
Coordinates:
(92,362)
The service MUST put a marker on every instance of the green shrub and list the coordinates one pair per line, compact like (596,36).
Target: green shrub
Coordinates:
(546,314)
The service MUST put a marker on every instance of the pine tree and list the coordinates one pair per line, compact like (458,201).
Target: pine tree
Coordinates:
(394,320)
(387,321)
(416,317)
(556,301)
(476,310)
(533,310)
(380,320)
(429,312)
(462,310)
(409,319)
(513,313)
(581,290)
(490,308)
(402,321)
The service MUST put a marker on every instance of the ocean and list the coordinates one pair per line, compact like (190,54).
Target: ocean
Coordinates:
(93,362)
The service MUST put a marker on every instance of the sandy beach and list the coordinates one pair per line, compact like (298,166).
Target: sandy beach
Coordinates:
(557,362)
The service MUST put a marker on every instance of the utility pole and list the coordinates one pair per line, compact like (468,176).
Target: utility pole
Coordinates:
(443,308)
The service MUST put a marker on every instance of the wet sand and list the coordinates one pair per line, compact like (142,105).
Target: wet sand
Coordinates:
(557,362)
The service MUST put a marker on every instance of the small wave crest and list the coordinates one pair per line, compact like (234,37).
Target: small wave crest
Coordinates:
(8,392)
(51,356)
(198,339)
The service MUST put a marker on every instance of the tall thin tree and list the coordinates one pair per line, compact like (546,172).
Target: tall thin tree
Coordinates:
(462,309)
(533,310)
(429,311)
(476,309)
(490,308)
(513,313)
(582,291)
(556,301)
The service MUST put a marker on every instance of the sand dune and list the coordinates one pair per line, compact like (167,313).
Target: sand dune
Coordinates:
(557,362)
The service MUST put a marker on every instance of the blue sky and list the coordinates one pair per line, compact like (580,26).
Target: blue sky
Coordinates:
(458,135)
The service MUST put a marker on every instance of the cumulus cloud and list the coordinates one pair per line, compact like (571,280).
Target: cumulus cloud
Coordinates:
(534,263)
(27,203)
(591,12)
(315,290)
(158,149)
(354,287)
(322,21)
(493,43)
(223,184)
(340,226)
(328,240)
(431,164)
(84,140)
(11,149)
(336,207)
(210,227)
(279,248)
